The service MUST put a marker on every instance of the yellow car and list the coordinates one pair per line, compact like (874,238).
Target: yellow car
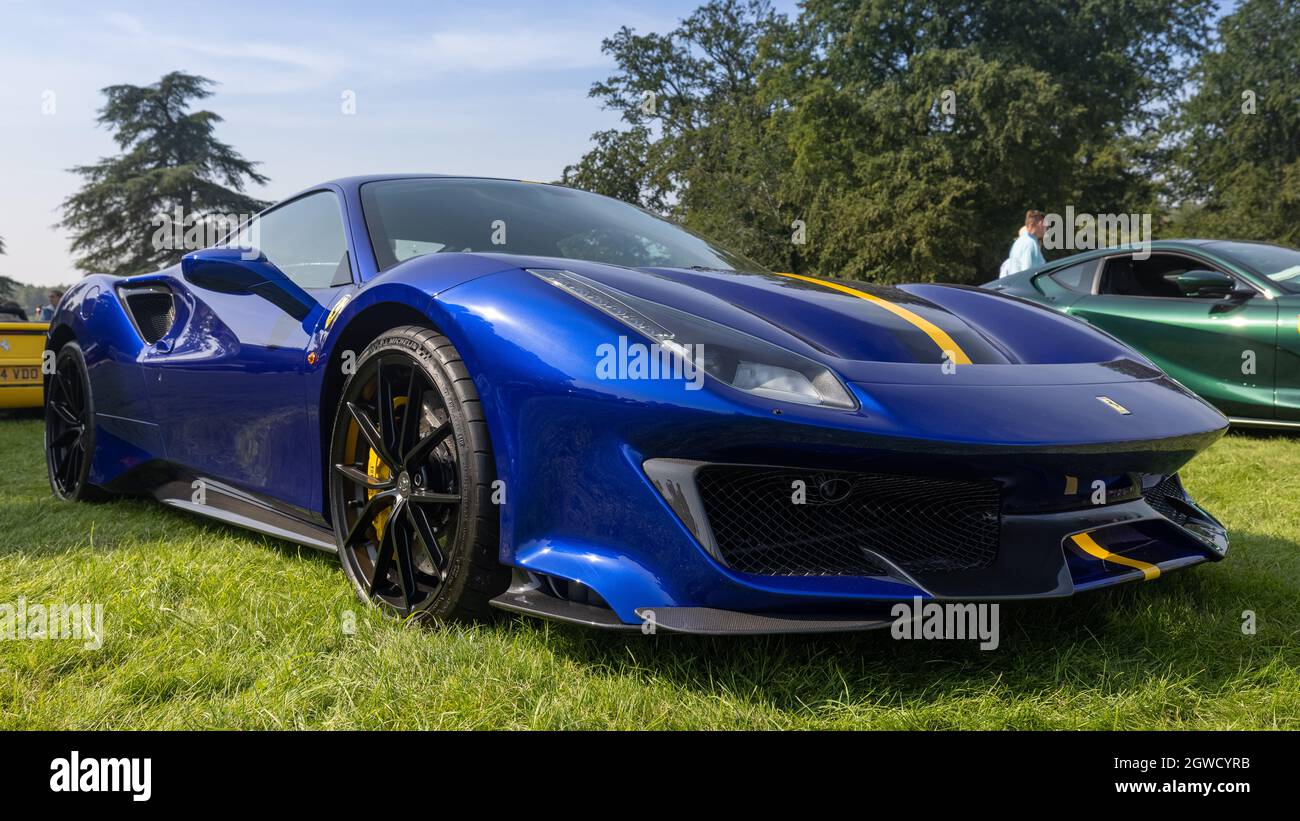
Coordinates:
(22,344)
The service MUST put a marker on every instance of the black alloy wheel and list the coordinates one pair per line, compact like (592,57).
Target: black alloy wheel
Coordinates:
(70,428)
(410,483)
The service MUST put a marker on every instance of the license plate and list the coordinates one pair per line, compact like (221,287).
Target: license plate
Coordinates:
(20,375)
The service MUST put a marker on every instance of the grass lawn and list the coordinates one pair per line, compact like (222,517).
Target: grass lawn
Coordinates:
(210,627)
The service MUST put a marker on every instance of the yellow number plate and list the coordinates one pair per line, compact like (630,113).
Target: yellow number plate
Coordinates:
(10,375)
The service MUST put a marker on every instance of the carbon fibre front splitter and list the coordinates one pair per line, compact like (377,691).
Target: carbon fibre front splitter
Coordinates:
(713,622)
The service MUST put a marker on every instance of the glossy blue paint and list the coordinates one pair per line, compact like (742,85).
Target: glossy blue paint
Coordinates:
(235,392)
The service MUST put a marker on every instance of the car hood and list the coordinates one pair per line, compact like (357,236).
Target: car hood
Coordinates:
(879,333)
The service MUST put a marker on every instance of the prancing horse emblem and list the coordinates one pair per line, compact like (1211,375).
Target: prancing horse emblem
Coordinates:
(1113,405)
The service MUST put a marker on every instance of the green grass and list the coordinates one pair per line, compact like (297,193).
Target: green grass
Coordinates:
(209,627)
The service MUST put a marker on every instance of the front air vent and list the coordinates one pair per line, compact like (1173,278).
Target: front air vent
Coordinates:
(1168,499)
(152,309)
(924,525)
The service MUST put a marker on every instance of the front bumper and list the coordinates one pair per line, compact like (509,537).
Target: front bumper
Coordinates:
(1146,526)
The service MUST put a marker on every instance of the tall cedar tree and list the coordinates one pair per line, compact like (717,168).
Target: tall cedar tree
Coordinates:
(169,158)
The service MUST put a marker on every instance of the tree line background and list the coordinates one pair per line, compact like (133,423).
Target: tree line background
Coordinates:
(741,121)
(906,137)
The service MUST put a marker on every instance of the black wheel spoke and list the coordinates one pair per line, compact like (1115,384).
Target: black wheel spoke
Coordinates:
(383,558)
(402,552)
(411,413)
(65,413)
(367,516)
(65,377)
(385,399)
(426,497)
(420,525)
(71,467)
(419,452)
(57,393)
(356,474)
(372,435)
(71,436)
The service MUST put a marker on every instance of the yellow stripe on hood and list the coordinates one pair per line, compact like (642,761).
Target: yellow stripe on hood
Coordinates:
(946,343)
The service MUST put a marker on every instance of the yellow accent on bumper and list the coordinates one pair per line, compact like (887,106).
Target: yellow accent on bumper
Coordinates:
(1088,545)
(946,343)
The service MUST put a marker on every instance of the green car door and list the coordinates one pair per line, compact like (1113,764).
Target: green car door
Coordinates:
(1287,370)
(1221,347)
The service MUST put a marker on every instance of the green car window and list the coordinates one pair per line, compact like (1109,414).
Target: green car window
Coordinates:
(1077,277)
(1278,263)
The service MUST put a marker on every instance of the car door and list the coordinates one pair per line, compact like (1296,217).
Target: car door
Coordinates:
(1222,348)
(1287,393)
(228,383)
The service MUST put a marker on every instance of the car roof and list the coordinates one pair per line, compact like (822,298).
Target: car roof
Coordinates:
(1158,244)
(358,181)
(355,182)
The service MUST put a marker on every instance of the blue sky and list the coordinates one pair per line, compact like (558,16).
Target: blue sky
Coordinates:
(497,88)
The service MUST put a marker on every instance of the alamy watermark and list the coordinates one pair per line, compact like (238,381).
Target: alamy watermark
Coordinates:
(659,360)
(946,621)
(182,231)
(23,620)
(74,773)
(1086,232)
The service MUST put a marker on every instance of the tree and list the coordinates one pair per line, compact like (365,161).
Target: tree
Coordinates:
(170,159)
(7,286)
(1239,133)
(696,146)
(905,139)
(619,165)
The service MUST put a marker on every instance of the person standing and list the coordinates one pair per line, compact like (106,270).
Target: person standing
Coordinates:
(1026,251)
(47,311)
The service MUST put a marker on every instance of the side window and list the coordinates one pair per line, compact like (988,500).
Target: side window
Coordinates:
(305,239)
(1077,277)
(1155,276)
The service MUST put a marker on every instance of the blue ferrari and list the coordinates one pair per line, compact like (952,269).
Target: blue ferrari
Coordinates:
(488,393)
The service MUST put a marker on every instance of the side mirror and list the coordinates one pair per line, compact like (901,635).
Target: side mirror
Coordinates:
(1202,283)
(235,271)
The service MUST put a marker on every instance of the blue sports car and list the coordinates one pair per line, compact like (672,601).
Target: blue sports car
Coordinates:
(490,393)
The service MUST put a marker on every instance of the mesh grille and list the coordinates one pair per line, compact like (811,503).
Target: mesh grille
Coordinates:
(1159,498)
(924,525)
(154,313)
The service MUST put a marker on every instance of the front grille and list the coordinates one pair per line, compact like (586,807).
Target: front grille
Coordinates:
(923,525)
(1159,498)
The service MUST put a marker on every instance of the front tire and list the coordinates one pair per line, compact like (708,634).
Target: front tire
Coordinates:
(70,428)
(411,474)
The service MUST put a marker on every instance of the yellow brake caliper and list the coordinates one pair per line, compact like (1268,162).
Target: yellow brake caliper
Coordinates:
(377,470)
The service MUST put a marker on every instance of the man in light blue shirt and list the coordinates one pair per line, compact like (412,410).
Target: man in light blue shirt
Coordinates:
(1025,251)
(47,311)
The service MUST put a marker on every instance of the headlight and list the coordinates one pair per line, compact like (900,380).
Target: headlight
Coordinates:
(742,361)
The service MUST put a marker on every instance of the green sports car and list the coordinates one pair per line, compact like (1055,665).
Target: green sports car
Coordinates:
(1222,317)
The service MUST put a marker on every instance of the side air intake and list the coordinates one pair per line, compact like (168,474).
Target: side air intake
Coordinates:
(152,309)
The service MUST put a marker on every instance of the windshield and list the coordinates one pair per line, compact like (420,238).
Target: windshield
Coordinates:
(1281,265)
(412,217)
